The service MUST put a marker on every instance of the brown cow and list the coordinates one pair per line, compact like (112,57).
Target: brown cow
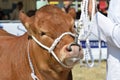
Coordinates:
(49,25)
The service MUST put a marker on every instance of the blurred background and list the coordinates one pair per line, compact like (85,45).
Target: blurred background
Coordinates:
(8,6)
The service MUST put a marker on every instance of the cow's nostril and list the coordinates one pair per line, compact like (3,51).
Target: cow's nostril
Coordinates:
(69,48)
(80,48)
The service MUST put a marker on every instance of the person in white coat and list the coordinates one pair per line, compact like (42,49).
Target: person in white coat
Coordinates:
(110,28)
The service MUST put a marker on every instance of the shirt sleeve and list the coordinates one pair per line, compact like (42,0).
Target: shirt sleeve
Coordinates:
(110,30)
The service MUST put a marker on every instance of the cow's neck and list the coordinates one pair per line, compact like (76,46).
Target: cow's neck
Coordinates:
(45,65)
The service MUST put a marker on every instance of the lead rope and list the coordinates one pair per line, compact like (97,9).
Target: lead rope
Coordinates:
(31,65)
(85,26)
(90,26)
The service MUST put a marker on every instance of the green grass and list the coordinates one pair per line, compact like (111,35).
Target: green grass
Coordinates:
(85,73)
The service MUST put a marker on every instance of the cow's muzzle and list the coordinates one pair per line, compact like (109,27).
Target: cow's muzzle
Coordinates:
(73,54)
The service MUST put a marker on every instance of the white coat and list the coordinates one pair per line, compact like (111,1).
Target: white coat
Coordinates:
(110,27)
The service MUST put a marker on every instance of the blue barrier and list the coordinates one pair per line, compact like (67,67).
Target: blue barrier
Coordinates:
(94,44)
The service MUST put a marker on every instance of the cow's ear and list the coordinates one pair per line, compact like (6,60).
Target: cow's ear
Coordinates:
(26,21)
(72,12)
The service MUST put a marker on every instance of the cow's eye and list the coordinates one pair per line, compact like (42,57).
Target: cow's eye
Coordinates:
(42,33)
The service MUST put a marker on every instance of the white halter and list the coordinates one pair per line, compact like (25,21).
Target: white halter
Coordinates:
(50,50)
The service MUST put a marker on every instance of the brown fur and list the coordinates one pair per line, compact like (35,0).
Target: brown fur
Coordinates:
(48,23)
(5,33)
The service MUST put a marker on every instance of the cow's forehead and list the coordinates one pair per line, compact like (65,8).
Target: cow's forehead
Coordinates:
(53,13)
(50,16)
(50,9)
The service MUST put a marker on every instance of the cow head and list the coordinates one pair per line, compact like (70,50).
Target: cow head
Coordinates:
(48,24)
